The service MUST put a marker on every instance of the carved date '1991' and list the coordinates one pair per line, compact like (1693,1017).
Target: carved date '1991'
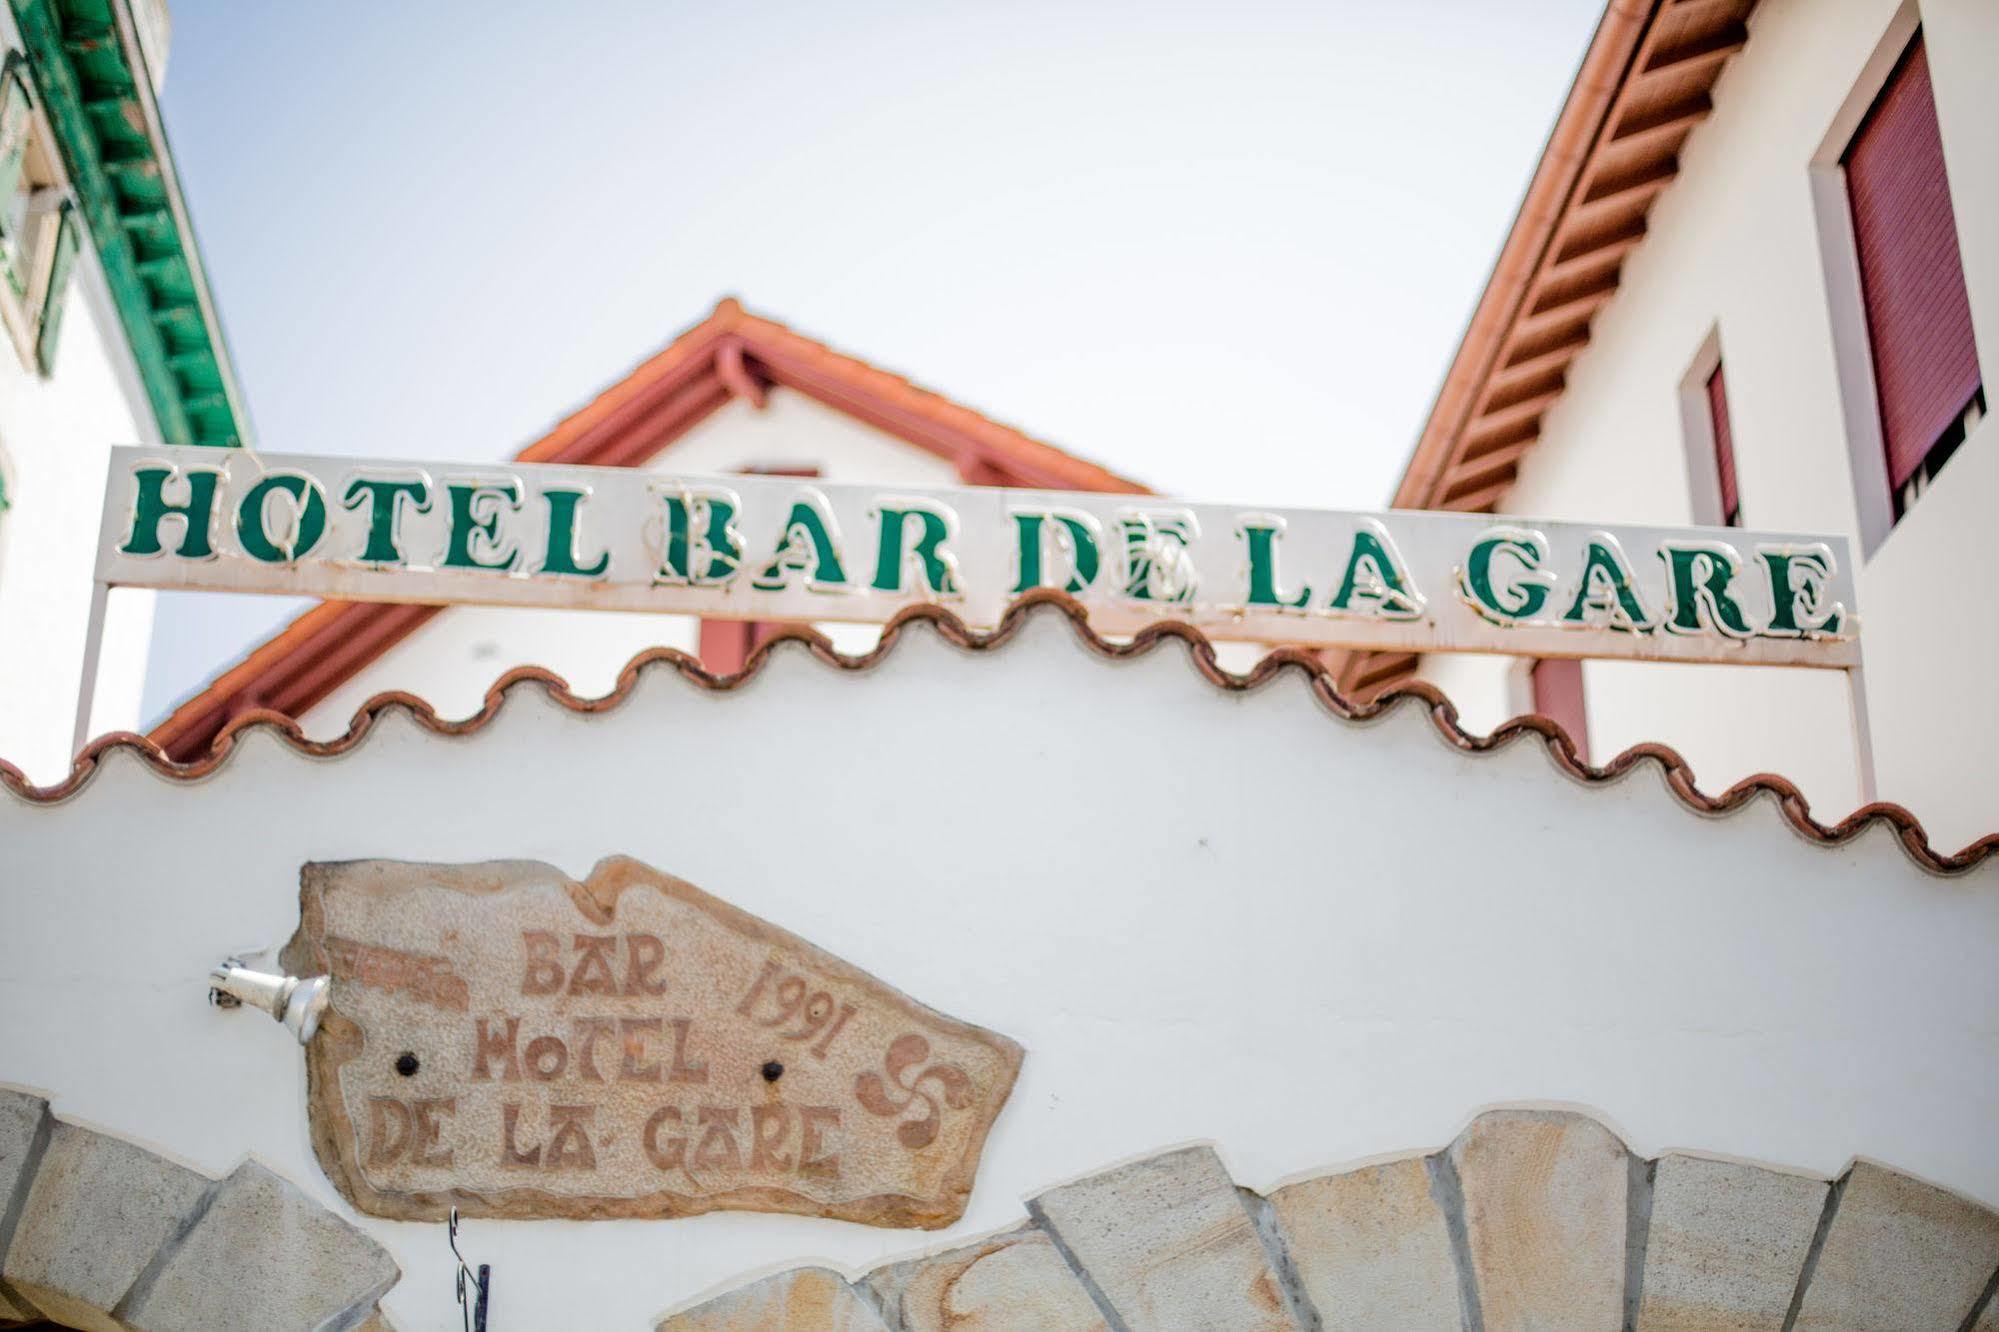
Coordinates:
(792,1000)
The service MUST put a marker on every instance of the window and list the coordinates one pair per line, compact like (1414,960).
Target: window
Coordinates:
(39,227)
(1724,448)
(1714,488)
(1917,313)
(725,645)
(1558,696)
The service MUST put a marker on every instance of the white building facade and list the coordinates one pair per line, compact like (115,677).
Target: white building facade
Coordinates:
(110,338)
(1749,265)
(1318,1017)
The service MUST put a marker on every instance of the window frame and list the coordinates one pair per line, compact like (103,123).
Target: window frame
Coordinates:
(1697,433)
(32,302)
(1878,507)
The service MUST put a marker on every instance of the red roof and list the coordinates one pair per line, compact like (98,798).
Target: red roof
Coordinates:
(1309,665)
(730,354)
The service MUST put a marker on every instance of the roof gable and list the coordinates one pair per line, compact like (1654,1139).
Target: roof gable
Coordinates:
(732,354)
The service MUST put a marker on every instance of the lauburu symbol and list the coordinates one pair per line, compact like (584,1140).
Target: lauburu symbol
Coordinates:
(904,1054)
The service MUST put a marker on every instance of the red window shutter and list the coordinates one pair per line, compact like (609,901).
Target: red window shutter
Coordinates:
(1558,696)
(1911,275)
(1724,448)
(726,644)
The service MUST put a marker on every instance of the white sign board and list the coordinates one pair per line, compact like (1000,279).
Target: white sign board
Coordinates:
(784,548)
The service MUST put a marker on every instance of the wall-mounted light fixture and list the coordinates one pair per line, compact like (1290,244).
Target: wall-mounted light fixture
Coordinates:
(295,1001)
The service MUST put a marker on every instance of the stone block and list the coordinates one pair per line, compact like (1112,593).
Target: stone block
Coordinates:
(1545,1197)
(1017,1279)
(24,1129)
(289,1262)
(98,1211)
(1372,1248)
(1899,1254)
(805,1299)
(1169,1244)
(1726,1245)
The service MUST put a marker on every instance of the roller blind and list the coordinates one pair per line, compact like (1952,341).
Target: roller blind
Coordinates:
(1912,278)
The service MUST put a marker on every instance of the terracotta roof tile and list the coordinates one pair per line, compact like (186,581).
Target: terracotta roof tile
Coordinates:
(1310,666)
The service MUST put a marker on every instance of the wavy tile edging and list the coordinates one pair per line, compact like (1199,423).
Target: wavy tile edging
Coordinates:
(1679,775)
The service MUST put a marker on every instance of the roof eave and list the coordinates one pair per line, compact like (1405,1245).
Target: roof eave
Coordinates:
(1604,66)
(189,379)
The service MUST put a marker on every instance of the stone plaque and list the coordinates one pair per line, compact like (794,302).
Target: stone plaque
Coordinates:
(506,1040)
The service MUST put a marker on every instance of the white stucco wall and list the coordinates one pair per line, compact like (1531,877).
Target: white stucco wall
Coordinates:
(1205,915)
(1733,248)
(56,434)
(453,660)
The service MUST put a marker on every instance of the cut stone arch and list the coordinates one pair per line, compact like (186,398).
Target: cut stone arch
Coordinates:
(98,1233)
(1529,1218)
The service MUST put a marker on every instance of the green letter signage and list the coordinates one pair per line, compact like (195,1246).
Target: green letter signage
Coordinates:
(715,549)
(1375,579)
(749,546)
(1798,575)
(309,518)
(1698,602)
(561,558)
(1261,533)
(386,497)
(1158,566)
(1075,533)
(1606,596)
(1527,594)
(892,561)
(150,506)
(475,523)
(807,544)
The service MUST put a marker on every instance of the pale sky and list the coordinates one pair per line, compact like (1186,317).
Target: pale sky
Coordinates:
(1227,248)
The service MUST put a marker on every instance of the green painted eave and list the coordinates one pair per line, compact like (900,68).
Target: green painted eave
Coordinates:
(94,90)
